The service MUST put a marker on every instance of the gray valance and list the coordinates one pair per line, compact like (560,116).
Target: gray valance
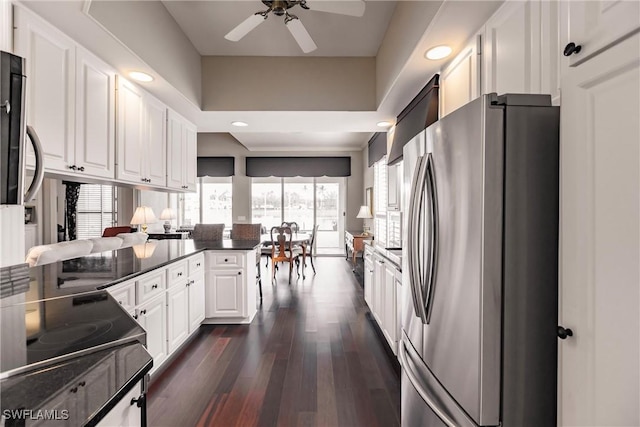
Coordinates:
(216,166)
(377,147)
(298,166)
(417,116)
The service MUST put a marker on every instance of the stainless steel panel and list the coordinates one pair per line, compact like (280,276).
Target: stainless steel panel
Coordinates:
(461,344)
(411,324)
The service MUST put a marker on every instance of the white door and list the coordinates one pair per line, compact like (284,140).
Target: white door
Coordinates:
(152,317)
(196,303)
(460,80)
(175,150)
(600,240)
(177,316)
(95,116)
(155,151)
(225,297)
(50,103)
(130,132)
(189,161)
(596,24)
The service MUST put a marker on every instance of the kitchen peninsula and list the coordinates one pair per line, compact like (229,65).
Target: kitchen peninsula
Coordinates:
(79,326)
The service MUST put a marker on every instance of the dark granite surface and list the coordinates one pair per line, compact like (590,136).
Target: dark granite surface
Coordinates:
(83,389)
(392,254)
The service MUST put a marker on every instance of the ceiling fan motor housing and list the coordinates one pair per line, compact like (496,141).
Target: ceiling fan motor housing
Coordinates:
(279,7)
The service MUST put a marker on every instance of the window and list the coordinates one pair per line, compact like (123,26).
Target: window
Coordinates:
(380,201)
(211,204)
(96,210)
(266,202)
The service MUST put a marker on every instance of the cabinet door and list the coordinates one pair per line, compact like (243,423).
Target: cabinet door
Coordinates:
(225,294)
(124,413)
(97,386)
(378,290)
(599,242)
(175,149)
(155,152)
(130,132)
(460,80)
(190,157)
(368,283)
(389,305)
(50,62)
(95,116)
(196,302)
(177,316)
(597,24)
(152,317)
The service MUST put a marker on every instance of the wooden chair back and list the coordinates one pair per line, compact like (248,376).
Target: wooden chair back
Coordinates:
(293,225)
(114,231)
(281,248)
(207,232)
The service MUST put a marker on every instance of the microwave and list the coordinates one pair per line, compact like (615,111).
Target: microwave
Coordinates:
(14,133)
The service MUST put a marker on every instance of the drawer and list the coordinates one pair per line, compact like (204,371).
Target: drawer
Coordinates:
(196,264)
(224,260)
(125,295)
(368,253)
(177,273)
(150,285)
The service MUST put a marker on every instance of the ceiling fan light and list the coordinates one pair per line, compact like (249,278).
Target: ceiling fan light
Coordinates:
(301,35)
(438,52)
(245,27)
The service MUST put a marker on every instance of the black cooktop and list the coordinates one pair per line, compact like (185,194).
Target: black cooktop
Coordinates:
(48,331)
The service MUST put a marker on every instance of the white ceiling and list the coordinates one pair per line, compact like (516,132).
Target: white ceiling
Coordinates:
(206,22)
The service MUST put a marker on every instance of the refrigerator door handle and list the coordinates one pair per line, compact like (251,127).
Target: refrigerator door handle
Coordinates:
(430,390)
(39,172)
(430,184)
(415,277)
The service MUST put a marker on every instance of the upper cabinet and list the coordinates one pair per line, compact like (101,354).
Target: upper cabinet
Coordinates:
(595,25)
(141,136)
(181,164)
(521,49)
(460,80)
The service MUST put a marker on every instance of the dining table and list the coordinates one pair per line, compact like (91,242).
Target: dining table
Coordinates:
(297,238)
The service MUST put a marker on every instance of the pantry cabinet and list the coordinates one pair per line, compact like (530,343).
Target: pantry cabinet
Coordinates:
(383,281)
(460,80)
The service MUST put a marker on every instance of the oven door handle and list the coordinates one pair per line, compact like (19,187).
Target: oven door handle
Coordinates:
(39,172)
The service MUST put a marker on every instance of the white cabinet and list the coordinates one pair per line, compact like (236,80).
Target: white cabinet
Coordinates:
(50,62)
(390,308)
(177,315)
(30,236)
(181,164)
(230,291)
(384,297)
(378,288)
(70,98)
(599,241)
(126,413)
(141,141)
(521,49)
(460,79)
(152,317)
(95,116)
(6,26)
(368,275)
(595,25)
(196,302)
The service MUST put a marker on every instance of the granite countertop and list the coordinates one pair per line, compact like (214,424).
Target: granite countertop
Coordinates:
(81,390)
(394,255)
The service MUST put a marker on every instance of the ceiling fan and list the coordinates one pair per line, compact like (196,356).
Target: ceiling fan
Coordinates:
(292,22)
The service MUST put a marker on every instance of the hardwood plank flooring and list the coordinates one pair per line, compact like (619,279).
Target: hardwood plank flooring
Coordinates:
(311,357)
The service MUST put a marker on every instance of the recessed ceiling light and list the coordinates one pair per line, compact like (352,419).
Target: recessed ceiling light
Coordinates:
(239,124)
(438,52)
(140,76)
(384,124)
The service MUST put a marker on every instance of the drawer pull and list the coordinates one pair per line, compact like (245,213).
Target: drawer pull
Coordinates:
(179,273)
(82,383)
(74,390)
(120,302)
(239,272)
(198,265)
(139,401)
(226,260)
(143,312)
(154,286)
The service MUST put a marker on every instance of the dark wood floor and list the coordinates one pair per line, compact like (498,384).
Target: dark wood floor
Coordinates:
(310,357)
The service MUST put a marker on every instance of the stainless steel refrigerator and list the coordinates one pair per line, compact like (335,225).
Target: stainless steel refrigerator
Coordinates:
(480,266)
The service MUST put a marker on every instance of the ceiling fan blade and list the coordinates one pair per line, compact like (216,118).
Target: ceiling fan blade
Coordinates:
(342,7)
(245,27)
(300,33)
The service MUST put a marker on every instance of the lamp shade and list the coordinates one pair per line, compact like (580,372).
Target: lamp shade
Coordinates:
(168,214)
(143,215)
(364,212)
(144,250)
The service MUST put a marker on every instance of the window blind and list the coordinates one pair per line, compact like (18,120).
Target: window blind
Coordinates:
(380,201)
(95,210)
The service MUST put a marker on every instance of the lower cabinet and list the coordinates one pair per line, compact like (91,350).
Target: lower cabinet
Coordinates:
(125,413)
(177,316)
(226,294)
(382,286)
(152,317)
(196,303)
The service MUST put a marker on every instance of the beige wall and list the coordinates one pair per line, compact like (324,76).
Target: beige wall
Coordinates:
(367,180)
(223,144)
(240,83)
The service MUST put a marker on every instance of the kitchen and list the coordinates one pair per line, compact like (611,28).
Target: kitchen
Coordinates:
(516,47)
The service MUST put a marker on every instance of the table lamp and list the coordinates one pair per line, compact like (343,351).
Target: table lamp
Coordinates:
(144,250)
(167,214)
(364,213)
(143,216)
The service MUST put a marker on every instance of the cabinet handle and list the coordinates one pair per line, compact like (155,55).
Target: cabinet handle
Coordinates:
(192,282)
(135,316)
(74,390)
(571,48)
(143,312)
(154,287)
(120,302)
(143,180)
(149,180)
(139,401)
(81,168)
(564,333)
(82,384)
(179,273)
(6,105)
(226,260)
(72,167)
(239,272)
(198,265)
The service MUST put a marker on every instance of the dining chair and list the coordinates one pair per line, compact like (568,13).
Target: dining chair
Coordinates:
(311,245)
(282,250)
(250,232)
(294,226)
(207,232)
(114,231)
